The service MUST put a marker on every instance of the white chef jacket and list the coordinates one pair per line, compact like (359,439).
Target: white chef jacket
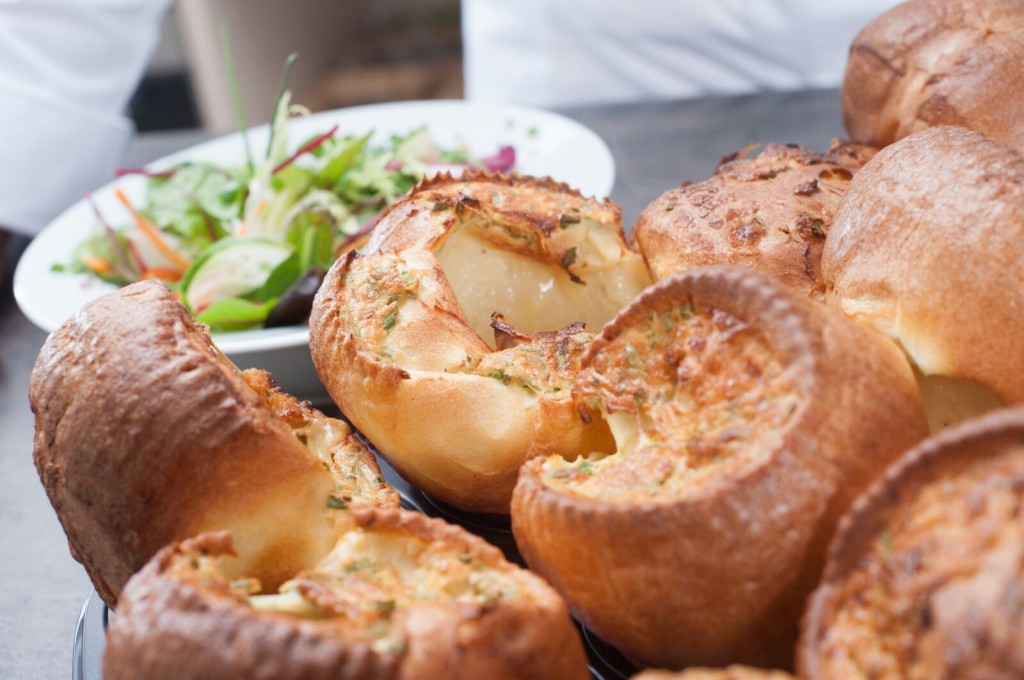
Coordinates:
(572,52)
(67,71)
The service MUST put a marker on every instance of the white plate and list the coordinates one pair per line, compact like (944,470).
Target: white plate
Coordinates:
(545,144)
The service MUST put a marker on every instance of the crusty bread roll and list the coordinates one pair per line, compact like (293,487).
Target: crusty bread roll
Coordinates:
(146,433)
(926,248)
(938,62)
(400,596)
(397,335)
(926,576)
(771,211)
(747,419)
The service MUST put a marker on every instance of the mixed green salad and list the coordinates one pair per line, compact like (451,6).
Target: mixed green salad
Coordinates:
(247,246)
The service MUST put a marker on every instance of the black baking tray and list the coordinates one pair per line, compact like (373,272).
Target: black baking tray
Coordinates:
(604,661)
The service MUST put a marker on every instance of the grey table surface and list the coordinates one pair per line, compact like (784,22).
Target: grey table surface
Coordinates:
(656,147)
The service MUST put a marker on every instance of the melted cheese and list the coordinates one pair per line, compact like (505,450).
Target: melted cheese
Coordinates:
(937,592)
(373,577)
(691,397)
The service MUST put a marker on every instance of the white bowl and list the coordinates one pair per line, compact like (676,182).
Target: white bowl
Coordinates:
(545,143)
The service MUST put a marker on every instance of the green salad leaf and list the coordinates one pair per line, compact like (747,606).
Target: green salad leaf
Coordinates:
(233,241)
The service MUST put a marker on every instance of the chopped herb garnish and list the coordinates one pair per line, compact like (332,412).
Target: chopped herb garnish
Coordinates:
(586,468)
(568,219)
(569,257)
(336,503)
(499,374)
(386,606)
(390,320)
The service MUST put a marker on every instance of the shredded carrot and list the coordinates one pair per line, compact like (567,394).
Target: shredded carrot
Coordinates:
(139,262)
(165,274)
(98,265)
(152,233)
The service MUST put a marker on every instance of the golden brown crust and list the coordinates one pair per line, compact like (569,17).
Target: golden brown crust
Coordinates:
(934,62)
(926,249)
(178,617)
(717,573)
(145,433)
(924,576)
(771,211)
(536,203)
(397,335)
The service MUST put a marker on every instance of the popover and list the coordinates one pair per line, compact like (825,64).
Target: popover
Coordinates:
(770,211)
(400,596)
(747,419)
(925,578)
(933,62)
(397,334)
(146,433)
(925,249)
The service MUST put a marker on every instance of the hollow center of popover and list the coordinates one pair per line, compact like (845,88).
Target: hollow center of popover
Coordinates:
(352,468)
(373,577)
(692,394)
(940,588)
(581,272)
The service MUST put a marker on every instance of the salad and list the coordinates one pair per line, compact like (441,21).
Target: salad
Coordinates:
(248,246)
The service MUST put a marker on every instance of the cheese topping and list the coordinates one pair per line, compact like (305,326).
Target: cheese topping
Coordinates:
(946,573)
(374,577)
(352,467)
(691,395)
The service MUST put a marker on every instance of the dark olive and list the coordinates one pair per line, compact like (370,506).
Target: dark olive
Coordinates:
(294,306)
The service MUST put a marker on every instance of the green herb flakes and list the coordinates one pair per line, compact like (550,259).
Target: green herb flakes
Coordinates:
(568,219)
(569,257)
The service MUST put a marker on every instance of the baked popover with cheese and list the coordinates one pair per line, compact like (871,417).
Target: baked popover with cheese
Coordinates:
(146,434)
(925,578)
(400,596)
(453,342)
(770,211)
(746,418)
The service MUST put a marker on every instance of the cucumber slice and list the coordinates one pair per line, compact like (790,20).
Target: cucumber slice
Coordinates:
(235,314)
(253,268)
